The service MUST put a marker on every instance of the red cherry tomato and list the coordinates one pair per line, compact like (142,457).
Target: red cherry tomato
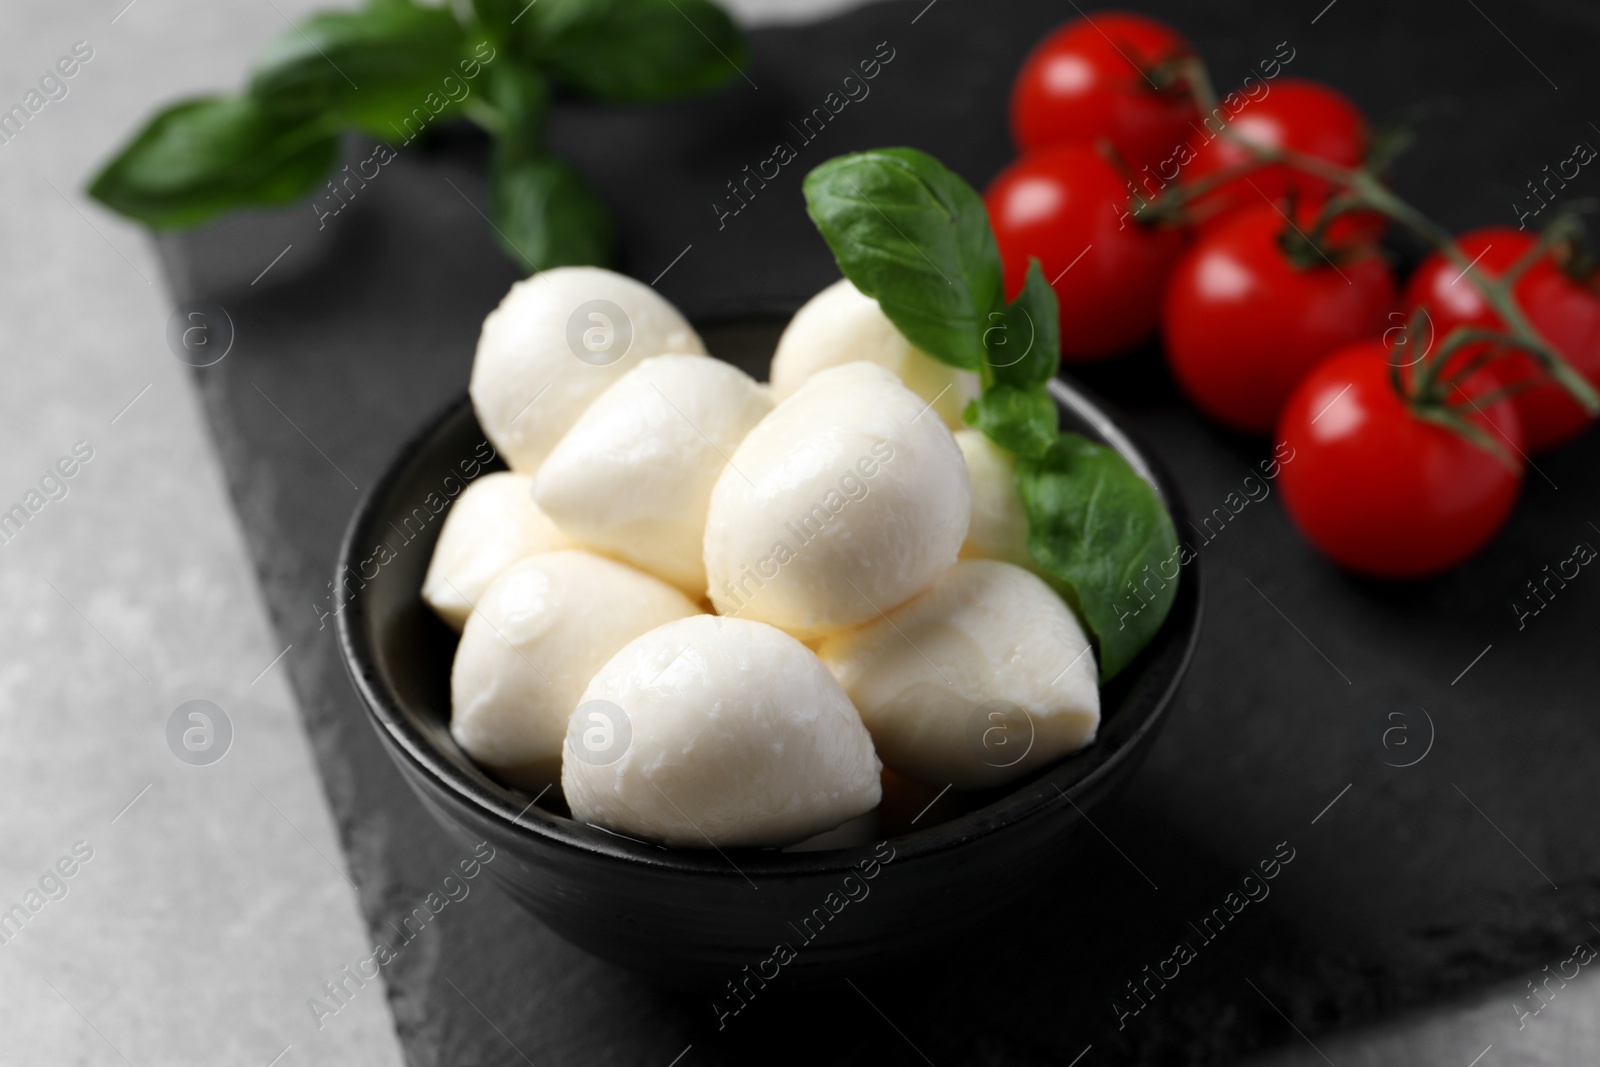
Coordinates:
(1565,311)
(1101,76)
(1453,300)
(1243,324)
(1069,208)
(1381,491)
(1291,113)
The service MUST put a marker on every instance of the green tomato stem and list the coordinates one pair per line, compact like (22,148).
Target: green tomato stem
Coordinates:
(1365,189)
(1459,338)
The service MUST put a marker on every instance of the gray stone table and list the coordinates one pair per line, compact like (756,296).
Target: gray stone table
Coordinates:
(216,899)
(217,902)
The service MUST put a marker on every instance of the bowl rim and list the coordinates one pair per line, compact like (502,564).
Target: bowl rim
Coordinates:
(1026,801)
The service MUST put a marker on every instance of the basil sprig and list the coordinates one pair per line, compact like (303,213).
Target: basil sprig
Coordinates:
(394,68)
(914,236)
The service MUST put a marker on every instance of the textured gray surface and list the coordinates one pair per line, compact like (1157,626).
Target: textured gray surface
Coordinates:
(205,920)
(1401,894)
(215,905)
(1489,1031)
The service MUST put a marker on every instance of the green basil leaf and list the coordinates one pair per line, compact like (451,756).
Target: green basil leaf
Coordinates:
(1022,421)
(202,158)
(915,237)
(1101,535)
(633,50)
(373,69)
(545,214)
(1024,342)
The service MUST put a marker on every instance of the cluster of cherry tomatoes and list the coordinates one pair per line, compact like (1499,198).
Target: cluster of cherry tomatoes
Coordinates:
(1278,311)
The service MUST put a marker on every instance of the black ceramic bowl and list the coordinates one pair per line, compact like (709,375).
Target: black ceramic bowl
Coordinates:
(699,917)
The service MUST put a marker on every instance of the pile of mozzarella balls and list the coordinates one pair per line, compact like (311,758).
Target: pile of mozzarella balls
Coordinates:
(706,607)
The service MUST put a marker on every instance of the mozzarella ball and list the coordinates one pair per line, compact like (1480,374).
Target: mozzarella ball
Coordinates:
(538,635)
(849,499)
(842,324)
(490,526)
(634,475)
(736,736)
(981,680)
(999,526)
(556,341)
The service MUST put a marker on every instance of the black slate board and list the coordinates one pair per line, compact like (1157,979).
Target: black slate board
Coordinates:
(1401,893)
